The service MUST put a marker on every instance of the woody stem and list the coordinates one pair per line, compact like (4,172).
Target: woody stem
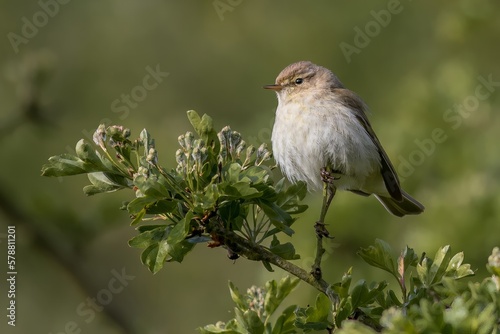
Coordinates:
(329,191)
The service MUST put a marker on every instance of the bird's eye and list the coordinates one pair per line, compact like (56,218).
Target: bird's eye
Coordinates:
(298,81)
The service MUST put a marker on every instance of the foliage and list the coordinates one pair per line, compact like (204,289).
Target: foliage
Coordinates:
(436,301)
(218,181)
(222,193)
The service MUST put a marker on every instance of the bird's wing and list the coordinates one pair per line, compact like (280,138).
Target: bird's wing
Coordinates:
(358,107)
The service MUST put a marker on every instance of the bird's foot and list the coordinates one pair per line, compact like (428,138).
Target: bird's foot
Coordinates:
(321,231)
(329,176)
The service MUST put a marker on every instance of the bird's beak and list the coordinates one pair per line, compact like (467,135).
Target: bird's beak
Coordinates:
(274,87)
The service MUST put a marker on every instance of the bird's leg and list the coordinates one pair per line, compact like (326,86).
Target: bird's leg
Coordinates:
(329,191)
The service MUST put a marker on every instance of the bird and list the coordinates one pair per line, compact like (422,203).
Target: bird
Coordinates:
(321,133)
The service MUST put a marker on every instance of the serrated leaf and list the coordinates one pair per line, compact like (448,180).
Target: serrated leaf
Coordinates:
(432,272)
(158,250)
(277,292)
(214,329)
(292,195)
(204,128)
(154,257)
(181,229)
(458,270)
(342,287)
(380,256)
(178,251)
(355,327)
(279,218)
(285,322)
(237,297)
(439,264)
(150,186)
(241,189)
(256,174)
(285,251)
(250,321)
(359,294)
(314,317)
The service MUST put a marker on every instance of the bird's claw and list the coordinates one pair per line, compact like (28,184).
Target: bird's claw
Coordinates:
(329,177)
(321,230)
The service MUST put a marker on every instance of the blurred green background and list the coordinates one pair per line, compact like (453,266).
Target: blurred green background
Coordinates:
(418,68)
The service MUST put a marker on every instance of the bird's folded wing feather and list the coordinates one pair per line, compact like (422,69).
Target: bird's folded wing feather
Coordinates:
(358,107)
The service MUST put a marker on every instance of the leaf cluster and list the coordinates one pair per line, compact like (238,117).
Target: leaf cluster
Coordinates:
(431,298)
(218,181)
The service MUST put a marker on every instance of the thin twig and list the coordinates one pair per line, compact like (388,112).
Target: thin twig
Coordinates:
(329,191)
(256,252)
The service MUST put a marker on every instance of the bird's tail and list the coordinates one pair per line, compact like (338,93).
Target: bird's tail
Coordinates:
(408,206)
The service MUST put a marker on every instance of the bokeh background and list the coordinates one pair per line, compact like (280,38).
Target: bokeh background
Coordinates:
(418,68)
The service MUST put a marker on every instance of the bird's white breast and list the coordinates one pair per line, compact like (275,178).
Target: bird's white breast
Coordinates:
(311,133)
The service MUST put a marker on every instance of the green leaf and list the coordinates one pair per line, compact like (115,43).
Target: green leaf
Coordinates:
(204,128)
(359,294)
(179,250)
(158,250)
(289,199)
(279,218)
(285,322)
(180,231)
(138,204)
(277,292)
(87,153)
(154,257)
(217,328)
(355,327)
(250,321)
(232,172)
(138,217)
(458,270)
(101,183)
(67,165)
(314,317)
(162,206)
(207,199)
(380,256)
(342,287)
(431,272)
(256,174)
(285,251)
(237,297)
(151,186)
(241,190)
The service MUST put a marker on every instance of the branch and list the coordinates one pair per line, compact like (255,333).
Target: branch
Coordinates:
(255,252)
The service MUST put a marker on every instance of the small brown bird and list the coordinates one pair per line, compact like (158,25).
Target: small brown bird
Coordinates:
(320,124)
